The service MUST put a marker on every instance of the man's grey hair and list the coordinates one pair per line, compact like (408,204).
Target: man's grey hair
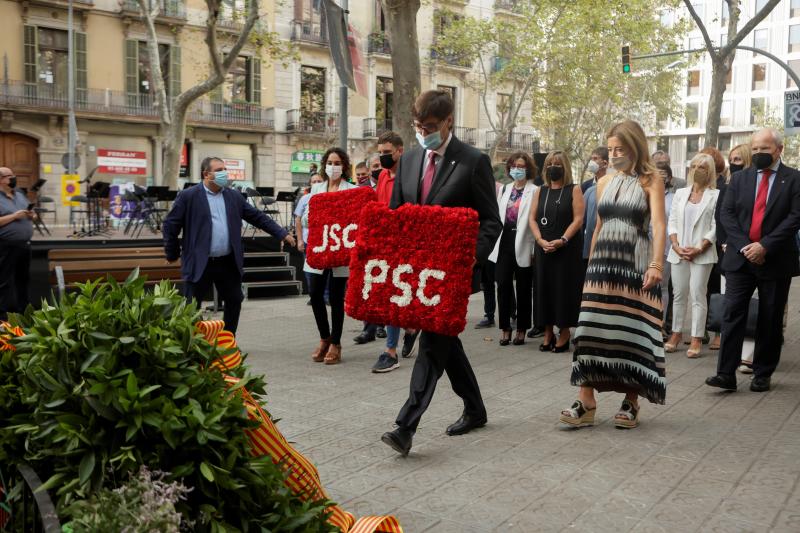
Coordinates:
(373,158)
(659,153)
(777,136)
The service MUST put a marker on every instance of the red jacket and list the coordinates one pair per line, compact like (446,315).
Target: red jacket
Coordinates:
(385,186)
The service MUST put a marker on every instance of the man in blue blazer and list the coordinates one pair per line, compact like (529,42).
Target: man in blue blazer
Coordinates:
(210,215)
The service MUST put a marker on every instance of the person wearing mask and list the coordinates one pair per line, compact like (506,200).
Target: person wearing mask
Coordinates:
(363,175)
(335,175)
(666,173)
(447,172)
(16,230)
(556,221)
(761,215)
(714,280)
(619,347)
(375,169)
(660,156)
(598,164)
(301,231)
(513,250)
(692,235)
(390,148)
(364,179)
(210,216)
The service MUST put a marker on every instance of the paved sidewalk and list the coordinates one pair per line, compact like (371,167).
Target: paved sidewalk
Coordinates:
(706,461)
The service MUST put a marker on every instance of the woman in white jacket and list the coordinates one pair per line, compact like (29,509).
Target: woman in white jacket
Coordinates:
(692,233)
(513,250)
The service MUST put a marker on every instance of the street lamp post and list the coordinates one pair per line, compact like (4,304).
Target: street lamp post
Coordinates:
(343,88)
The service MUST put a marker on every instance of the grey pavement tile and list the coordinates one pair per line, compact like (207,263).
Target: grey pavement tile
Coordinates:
(787,521)
(761,513)
(449,526)
(413,521)
(724,524)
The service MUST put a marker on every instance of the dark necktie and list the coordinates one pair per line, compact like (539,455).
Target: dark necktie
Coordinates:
(761,206)
(427,177)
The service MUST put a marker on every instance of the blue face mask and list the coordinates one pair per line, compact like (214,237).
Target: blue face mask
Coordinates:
(517,174)
(221,178)
(430,142)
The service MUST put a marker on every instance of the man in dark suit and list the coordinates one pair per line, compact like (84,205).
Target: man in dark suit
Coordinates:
(761,216)
(443,171)
(210,215)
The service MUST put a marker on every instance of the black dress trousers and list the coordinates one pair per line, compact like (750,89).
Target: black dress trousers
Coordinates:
(223,273)
(15,266)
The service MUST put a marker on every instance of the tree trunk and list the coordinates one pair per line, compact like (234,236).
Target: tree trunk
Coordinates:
(720,68)
(401,29)
(173,146)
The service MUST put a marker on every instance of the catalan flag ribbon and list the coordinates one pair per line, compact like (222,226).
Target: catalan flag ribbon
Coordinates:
(302,476)
(7,332)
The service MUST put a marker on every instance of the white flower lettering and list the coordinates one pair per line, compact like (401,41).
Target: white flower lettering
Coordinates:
(369,279)
(423,282)
(405,299)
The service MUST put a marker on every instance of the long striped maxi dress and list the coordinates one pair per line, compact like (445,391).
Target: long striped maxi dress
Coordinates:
(618,340)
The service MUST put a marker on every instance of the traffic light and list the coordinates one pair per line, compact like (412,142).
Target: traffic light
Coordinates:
(626,59)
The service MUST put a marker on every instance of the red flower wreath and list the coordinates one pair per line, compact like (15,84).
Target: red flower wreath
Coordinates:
(333,219)
(414,268)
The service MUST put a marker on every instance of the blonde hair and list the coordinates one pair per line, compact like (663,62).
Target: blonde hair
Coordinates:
(563,158)
(633,138)
(704,160)
(744,152)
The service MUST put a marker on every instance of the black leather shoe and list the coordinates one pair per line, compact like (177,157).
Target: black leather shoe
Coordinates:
(760,384)
(535,332)
(364,338)
(722,382)
(485,323)
(465,424)
(380,332)
(399,440)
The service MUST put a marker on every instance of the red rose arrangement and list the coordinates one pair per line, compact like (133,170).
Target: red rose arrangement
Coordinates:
(333,219)
(414,268)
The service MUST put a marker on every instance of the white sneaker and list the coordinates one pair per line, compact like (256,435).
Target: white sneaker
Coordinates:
(745,369)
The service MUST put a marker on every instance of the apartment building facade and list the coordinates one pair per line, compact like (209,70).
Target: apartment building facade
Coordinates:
(270,120)
(755,88)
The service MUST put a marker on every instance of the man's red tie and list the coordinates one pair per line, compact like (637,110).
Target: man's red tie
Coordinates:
(761,206)
(427,177)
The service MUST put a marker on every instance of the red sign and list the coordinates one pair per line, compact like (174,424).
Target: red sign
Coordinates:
(235,168)
(412,267)
(121,162)
(184,156)
(333,219)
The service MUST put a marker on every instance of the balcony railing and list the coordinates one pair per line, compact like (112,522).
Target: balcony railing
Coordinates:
(309,31)
(376,127)
(172,9)
(467,135)
(93,102)
(526,142)
(507,5)
(453,60)
(378,43)
(312,122)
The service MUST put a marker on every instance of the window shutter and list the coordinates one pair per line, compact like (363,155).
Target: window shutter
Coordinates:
(255,80)
(80,67)
(132,72)
(174,71)
(31,58)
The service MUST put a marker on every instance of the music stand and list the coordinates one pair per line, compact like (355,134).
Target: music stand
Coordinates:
(288,198)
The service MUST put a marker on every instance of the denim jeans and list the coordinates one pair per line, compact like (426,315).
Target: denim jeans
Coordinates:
(392,336)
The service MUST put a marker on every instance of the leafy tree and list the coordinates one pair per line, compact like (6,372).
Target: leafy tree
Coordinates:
(563,58)
(722,57)
(222,52)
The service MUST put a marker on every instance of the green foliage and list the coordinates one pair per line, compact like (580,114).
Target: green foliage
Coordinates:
(561,60)
(144,503)
(114,377)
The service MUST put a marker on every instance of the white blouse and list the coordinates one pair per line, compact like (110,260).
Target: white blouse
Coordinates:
(690,216)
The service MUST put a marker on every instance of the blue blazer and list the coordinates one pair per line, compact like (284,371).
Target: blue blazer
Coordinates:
(191,214)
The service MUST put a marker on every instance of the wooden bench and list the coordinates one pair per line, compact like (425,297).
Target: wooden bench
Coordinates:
(71,266)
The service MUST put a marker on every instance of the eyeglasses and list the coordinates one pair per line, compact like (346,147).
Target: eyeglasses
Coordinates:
(426,128)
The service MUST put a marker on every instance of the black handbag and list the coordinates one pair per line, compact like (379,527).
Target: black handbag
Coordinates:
(715,311)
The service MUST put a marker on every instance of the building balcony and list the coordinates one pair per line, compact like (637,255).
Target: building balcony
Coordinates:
(309,31)
(119,105)
(513,142)
(173,11)
(314,122)
(451,60)
(467,135)
(375,127)
(508,6)
(378,43)
(78,5)
(499,63)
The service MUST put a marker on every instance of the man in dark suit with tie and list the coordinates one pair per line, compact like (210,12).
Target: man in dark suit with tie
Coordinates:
(210,215)
(761,216)
(444,171)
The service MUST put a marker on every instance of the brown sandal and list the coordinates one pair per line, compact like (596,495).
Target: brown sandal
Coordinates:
(318,355)
(334,355)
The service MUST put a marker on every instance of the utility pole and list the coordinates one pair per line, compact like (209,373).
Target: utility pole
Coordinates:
(343,87)
(72,126)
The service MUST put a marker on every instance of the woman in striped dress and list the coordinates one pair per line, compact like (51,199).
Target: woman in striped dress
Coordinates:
(619,345)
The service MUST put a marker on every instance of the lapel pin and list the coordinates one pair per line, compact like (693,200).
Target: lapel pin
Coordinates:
(452,162)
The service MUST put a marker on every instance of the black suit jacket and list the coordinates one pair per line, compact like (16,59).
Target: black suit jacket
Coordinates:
(191,214)
(781,223)
(464,178)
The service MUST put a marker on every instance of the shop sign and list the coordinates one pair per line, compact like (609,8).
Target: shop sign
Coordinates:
(235,169)
(302,160)
(121,162)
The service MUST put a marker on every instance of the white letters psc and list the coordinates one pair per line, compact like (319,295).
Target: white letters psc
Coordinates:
(403,299)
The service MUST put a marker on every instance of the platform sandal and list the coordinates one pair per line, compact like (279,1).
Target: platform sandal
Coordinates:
(628,415)
(578,416)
